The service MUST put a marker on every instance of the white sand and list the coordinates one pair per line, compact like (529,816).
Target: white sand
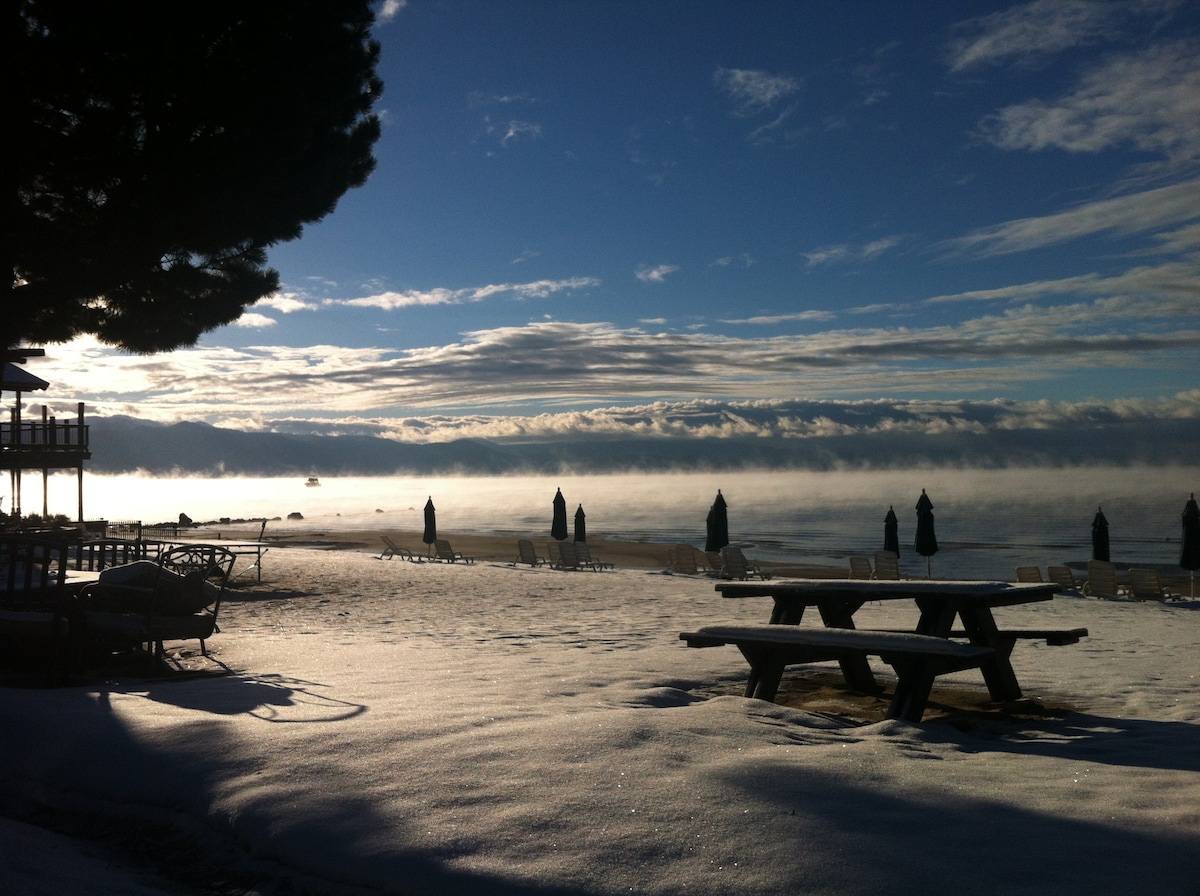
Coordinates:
(415,729)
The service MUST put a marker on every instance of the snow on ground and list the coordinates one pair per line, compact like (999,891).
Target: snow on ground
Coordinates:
(387,727)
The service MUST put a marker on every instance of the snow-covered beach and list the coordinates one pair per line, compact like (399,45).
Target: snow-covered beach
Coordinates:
(369,726)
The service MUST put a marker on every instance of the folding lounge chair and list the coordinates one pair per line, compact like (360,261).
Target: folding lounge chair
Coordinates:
(887,566)
(527,554)
(860,568)
(1063,577)
(1029,574)
(583,554)
(391,549)
(1102,580)
(447,554)
(736,566)
(1144,584)
(683,560)
(568,556)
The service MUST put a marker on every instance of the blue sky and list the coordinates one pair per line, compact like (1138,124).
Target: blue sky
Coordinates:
(705,218)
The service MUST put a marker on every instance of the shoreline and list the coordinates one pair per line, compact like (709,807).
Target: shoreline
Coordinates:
(503,549)
(485,548)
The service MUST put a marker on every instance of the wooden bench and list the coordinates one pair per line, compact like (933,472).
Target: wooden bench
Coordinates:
(1055,637)
(917,659)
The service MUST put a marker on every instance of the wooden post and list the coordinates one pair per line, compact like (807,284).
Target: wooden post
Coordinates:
(81,444)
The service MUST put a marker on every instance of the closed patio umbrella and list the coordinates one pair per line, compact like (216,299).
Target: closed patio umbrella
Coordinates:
(580,524)
(925,541)
(891,529)
(430,534)
(558,526)
(1189,551)
(717,524)
(1100,536)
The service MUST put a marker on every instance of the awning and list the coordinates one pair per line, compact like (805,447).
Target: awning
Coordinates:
(16,379)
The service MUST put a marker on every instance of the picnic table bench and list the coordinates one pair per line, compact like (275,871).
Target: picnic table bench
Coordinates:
(917,659)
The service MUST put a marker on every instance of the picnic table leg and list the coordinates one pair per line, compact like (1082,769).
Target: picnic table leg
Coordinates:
(914,682)
(998,673)
(784,612)
(766,671)
(855,669)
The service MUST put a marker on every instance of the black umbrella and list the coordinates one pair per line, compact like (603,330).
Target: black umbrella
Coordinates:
(717,524)
(558,526)
(430,535)
(1189,552)
(925,541)
(580,524)
(891,537)
(1100,536)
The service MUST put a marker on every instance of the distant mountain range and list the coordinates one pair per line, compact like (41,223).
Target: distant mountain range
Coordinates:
(126,444)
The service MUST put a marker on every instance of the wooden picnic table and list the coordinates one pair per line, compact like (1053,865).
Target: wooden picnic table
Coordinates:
(940,603)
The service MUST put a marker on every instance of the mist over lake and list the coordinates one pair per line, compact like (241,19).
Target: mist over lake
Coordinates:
(988,521)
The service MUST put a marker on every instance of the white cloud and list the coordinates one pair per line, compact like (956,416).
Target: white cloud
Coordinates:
(251,320)
(1149,101)
(521,130)
(754,91)
(1033,30)
(555,362)
(773,319)
(1125,215)
(656,274)
(848,253)
(286,303)
(538,289)
(390,9)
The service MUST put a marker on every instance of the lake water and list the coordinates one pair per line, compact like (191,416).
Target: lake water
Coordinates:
(988,521)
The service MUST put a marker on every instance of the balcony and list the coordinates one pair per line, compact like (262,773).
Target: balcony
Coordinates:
(43,445)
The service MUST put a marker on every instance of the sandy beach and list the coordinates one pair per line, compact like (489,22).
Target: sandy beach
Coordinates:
(379,726)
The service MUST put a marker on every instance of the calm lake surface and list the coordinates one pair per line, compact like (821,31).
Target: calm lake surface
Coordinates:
(988,521)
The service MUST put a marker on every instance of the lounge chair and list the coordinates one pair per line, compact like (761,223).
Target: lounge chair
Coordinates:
(583,554)
(447,554)
(1102,580)
(391,549)
(682,560)
(1144,584)
(562,555)
(527,554)
(1063,577)
(147,602)
(736,566)
(568,557)
(715,563)
(860,568)
(887,566)
(35,604)
(1029,574)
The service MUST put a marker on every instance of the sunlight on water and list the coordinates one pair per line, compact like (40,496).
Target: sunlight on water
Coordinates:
(988,521)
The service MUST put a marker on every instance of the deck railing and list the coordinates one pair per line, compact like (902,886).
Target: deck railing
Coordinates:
(44,436)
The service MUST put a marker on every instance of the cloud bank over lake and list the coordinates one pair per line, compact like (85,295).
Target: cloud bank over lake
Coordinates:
(687,435)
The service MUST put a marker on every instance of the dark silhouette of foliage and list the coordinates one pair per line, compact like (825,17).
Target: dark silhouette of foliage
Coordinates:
(155,153)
